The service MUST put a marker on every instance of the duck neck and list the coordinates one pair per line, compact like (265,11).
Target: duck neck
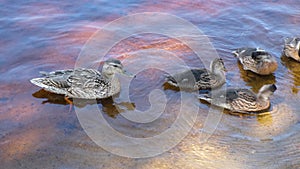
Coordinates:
(263,97)
(298,45)
(108,75)
(263,102)
(220,74)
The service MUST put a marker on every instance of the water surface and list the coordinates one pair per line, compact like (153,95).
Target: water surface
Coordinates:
(37,130)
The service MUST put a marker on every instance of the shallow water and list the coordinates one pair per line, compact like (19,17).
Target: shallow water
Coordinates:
(37,130)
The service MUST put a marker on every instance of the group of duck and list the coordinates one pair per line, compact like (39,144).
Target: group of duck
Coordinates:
(86,83)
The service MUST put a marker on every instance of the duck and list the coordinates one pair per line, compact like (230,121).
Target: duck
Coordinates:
(256,60)
(200,79)
(291,48)
(83,83)
(241,100)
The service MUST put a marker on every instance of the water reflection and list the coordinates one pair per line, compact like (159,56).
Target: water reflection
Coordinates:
(38,36)
(272,124)
(265,119)
(167,86)
(248,114)
(254,80)
(294,71)
(107,105)
(51,97)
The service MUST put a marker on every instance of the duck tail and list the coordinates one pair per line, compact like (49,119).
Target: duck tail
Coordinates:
(205,97)
(49,83)
(235,53)
(44,73)
(41,82)
(170,79)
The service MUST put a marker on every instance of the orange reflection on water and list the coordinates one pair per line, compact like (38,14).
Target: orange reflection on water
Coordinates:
(148,41)
(32,126)
(274,123)
(26,141)
(17,110)
(37,14)
(202,8)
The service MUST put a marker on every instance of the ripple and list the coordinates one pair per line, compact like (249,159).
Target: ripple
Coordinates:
(37,129)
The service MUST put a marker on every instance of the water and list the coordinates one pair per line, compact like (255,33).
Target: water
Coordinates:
(38,130)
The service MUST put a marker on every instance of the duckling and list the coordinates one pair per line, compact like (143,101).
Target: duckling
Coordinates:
(200,79)
(292,48)
(256,60)
(83,83)
(241,100)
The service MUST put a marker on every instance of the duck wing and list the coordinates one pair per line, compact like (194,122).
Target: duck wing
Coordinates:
(204,79)
(248,57)
(89,84)
(238,100)
(78,83)
(190,79)
(55,82)
(242,100)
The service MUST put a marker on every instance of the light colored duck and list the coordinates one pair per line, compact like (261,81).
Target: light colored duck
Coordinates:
(83,83)
(241,100)
(291,48)
(200,79)
(256,60)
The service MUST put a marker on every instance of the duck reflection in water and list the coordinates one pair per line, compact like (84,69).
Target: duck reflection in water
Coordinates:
(108,105)
(294,71)
(254,80)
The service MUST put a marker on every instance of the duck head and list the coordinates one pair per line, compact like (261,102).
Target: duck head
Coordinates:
(292,48)
(217,65)
(266,91)
(111,67)
(266,64)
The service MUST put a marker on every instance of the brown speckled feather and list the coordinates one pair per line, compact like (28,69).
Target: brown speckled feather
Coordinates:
(83,83)
(241,100)
(256,60)
(200,79)
(78,83)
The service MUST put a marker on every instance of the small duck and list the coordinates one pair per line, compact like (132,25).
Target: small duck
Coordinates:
(241,100)
(83,83)
(292,48)
(256,60)
(200,79)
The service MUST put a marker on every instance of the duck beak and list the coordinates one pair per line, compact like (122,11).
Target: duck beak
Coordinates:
(129,74)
